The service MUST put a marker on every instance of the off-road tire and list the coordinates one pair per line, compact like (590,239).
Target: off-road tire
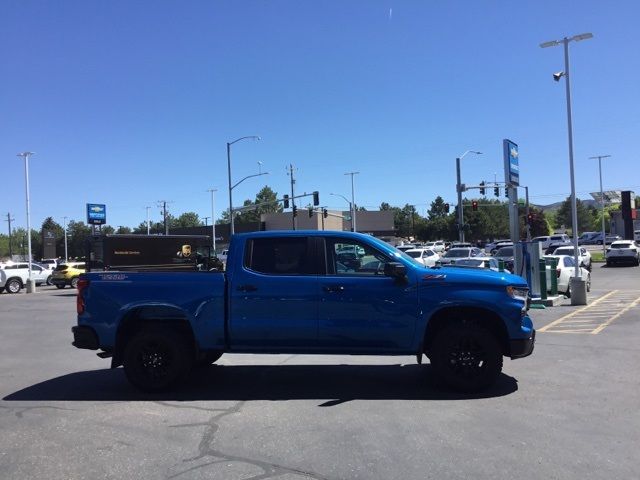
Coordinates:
(60,285)
(74,282)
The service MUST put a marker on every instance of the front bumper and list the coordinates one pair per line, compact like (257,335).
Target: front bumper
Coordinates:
(522,347)
(85,337)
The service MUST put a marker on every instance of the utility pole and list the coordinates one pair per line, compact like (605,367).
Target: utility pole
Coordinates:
(148,224)
(9,219)
(293,198)
(66,255)
(163,204)
(206,221)
(353,202)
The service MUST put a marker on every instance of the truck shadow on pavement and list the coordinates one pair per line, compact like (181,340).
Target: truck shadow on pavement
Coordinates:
(334,383)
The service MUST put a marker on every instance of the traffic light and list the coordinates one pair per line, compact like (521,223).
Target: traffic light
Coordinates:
(506,192)
(310,212)
(295,211)
(474,206)
(325,213)
(446,208)
(496,191)
(285,201)
(316,198)
(482,188)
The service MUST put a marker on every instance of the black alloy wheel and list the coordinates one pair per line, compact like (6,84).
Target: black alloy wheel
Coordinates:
(466,357)
(157,359)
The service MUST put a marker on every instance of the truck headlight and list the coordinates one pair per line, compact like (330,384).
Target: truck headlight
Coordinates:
(518,293)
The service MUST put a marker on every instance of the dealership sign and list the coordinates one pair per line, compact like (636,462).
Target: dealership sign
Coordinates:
(511,163)
(96,214)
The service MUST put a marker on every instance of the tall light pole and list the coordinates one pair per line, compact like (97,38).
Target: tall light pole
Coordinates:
(459,190)
(31,286)
(66,255)
(604,237)
(213,217)
(253,137)
(353,203)
(577,285)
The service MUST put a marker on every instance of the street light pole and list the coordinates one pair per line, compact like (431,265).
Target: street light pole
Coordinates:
(577,297)
(604,237)
(254,137)
(213,217)
(353,203)
(459,190)
(31,286)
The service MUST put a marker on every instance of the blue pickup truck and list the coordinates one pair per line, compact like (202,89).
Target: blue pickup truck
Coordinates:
(315,292)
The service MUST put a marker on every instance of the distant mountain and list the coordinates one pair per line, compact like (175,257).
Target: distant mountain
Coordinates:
(555,206)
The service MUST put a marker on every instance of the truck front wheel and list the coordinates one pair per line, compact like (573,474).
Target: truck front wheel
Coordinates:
(156,359)
(466,357)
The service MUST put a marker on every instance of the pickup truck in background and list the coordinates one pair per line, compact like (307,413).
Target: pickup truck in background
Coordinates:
(288,292)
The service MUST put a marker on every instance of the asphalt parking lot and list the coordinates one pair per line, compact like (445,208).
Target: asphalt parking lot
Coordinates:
(569,411)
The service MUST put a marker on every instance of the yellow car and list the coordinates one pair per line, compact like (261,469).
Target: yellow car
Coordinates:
(67,274)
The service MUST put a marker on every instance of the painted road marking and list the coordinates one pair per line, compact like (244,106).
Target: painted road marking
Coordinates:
(594,318)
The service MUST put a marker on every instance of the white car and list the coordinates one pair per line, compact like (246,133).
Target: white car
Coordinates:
(14,276)
(623,251)
(425,256)
(636,235)
(50,263)
(583,255)
(457,253)
(565,270)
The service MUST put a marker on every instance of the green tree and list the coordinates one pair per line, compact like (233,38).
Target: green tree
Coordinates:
(437,209)
(78,232)
(187,219)
(564,217)
(108,230)
(265,202)
(122,230)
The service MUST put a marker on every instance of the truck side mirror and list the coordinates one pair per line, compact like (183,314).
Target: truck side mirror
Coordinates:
(395,270)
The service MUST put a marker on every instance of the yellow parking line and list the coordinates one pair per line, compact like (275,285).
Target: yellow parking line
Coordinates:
(602,326)
(572,314)
(576,330)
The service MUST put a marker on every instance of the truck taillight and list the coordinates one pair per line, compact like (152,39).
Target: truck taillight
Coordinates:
(83,284)
(558,273)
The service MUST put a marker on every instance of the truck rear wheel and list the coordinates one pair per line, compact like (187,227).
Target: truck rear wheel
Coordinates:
(156,359)
(466,357)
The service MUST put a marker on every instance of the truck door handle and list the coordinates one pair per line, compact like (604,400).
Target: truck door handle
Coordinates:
(247,288)
(333,288)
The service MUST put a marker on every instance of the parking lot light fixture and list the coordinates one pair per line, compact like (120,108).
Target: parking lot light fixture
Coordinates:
(31,286)
(577,297)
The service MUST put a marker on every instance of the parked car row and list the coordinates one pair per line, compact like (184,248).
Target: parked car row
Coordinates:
(14,275)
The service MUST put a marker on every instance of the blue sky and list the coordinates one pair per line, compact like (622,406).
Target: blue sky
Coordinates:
(127,103)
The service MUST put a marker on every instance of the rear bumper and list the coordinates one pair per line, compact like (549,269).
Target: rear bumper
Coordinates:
(622,259)
(524,347)
(85,337)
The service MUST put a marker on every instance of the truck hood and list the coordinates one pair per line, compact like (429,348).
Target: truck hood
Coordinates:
(477,276)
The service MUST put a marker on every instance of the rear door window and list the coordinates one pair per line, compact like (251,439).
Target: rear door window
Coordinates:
(279,256)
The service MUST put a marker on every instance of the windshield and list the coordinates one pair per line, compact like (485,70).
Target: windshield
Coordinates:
(414,254)
(505,252)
